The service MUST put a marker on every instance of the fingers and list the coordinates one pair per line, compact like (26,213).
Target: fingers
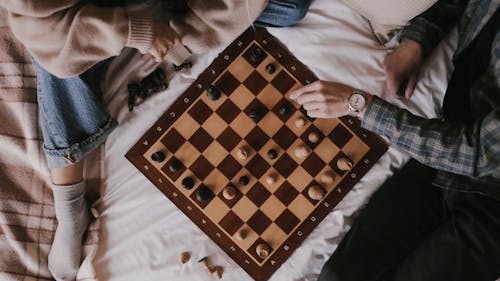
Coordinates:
(314,105)
(410,88)
(315,86)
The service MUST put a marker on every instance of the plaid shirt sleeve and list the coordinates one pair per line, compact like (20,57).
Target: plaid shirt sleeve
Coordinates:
(448,146)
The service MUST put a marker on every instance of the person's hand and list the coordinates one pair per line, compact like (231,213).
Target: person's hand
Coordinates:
(401,68)
(164,38)
(323,99)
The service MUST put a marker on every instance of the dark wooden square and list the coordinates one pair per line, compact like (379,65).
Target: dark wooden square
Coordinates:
(257,166)
(287,221)
(228,111)
(201,168)
(256,138)
(258,194)
(227,83)
(283,82)
(284,137)
(231,223)
(340,135)
(305,136)
(255,83)
(256,105)
(200,112)
(173,140)
(284,103)
(313,164)
(201,139)
(173,175)
(259,222)
(285,165)
(229,139)
(286,193)
(229,167)
(248,56)
(202,204)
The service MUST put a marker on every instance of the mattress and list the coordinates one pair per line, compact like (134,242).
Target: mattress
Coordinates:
(143,233)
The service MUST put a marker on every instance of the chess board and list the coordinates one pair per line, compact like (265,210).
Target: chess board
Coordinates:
(203,136)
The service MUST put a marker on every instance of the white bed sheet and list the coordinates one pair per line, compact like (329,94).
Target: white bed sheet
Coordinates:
(143,233)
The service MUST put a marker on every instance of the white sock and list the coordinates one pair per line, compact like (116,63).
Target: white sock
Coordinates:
(72,215)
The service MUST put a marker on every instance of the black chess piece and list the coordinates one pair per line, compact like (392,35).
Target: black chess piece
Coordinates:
(204,194)
(272,154)
(283,110)
(244,180)
(187,183)
(213,93)
(256,115)
(158,156)
(270,68)
(187,64)
(175,165)
(257,54)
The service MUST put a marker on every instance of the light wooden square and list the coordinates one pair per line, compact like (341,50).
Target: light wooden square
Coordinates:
(262,68)
(214,125)
(274,236)
(215,153)
(178,182)
(216,181)
(269,96)
(273,207)
(240,69)
(326,150)
(243,145)
(279,180)
(186,126)
(291,123)
(157,146)
(249,239)
(242,125)
(300,178)
(270,124)
(301,207)
(213,104)
(187,154)
(326,125)
(355,149)
(245,208)
(216,210)
(241,97)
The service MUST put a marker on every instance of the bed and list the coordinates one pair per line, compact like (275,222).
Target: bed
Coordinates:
(141,233)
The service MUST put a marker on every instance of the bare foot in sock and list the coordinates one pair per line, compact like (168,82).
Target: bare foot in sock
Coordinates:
(72,215)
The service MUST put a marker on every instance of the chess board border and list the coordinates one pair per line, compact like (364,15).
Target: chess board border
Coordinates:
(297,69)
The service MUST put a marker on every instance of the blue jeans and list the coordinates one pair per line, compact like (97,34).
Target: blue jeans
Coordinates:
(74,122)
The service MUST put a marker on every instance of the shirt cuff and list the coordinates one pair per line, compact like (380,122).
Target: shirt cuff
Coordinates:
(140,31)
(425,33)
(380,117)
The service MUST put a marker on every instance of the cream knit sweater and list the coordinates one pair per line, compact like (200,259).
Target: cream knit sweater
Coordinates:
(69,36)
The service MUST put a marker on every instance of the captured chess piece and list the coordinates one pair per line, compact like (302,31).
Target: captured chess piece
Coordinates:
(175,165)
(229,192)
(344,164)
(270,68)
(302,151)
(204,194)
(158,156)
(184,258)
(213,93)
(316,192)
(187,183)
(263,250)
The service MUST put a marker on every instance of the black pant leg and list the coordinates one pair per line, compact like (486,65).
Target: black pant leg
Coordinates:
(398,217)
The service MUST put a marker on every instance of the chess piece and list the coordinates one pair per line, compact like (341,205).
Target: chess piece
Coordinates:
(186,64)
(229,192)
(262,250)
(244,180)
(327,178)
(344,164)
(283,110)
(272,154)
(213,93)
(175,165)
(158,156)
(302,151)
(206,263)
(241,235)
(204,194)
(316,192)
(255,115)
(271,178)
(184,258)
(270,68)
(217,271)
(300,122)
(313,137)
(242,152)
(187,183)
(257,54)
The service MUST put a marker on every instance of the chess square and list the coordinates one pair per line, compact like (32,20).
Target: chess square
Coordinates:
(257,106)
(284,103)
(214,125)
(243,98)
(242,125)
(256,138)
(229,167)
(216,180)
(340,135)
(258,194)
(186,126)
(333,163)
(274,236)
(173,140)
(259,222)
(227,83)
(305,136)
(201,139)
(287,221)
(299,178)
(201,204)
(257,166)
(326,125)
(283,82)
(255,83)
(254,61)
(240,69)
(228,111)
(201,168)
(230,203)
(326,150)
(200,112)
(244,208)
(216,210)
(270,124)
(272,207)
(286,193)
(253,250)
(305,192)
(278,179)
(215,153)
(187,154)
(301,207)
(229,139)
(285,165)
(313,164)
(292,120)
(284,137)
(173,175)
(269,96)
(231,223)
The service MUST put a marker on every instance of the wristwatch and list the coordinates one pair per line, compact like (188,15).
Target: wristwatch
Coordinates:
(356,103)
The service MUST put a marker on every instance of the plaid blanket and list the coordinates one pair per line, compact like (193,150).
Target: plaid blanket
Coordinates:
(27,220)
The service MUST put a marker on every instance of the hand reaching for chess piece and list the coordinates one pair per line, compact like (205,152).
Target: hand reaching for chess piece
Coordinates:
(164,39)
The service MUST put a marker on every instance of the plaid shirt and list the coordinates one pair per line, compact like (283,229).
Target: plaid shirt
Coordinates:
(467,156)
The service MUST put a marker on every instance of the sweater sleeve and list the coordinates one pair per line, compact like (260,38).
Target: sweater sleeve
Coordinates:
(67,38)
(211,24)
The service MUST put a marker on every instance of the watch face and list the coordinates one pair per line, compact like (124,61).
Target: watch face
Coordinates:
(357,101)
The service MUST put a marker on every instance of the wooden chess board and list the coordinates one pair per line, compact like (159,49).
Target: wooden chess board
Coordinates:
(200,138)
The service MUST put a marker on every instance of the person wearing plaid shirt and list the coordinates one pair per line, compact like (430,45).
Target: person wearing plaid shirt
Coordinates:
(438,218)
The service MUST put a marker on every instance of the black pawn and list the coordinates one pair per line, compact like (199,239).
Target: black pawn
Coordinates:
(284,110)
(213,93)
(244,180)
(255,115)
(257,54)
(175,166)
(270,68)
(203,194)
(272,154)
(158,156)
(187,183)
